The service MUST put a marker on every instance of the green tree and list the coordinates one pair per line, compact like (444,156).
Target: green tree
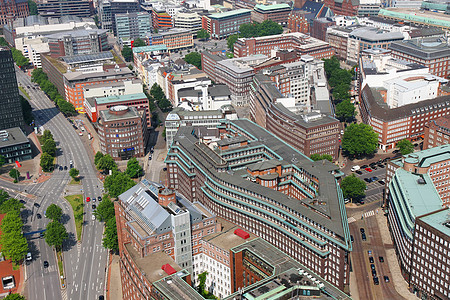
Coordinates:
(2,160)
(127,53)
(330,65)
(15,174)
(359,140)
(110,240)
(340,76)
(405,147)
(316,157)
(340,92)
(134,170)
(11,204)
(202,34)
(117,183)
(194,58)
(26,110)
(55,234)
(47,135)
(345,110)
(53,212)
(97,157)
(105,210)
(11,222)
(14,297)
(3,42)
(33,7)
(3,196)
(165,105)
(231,40)
(353,187)
(269,27)
(66,108)
(139,43)
(49,147)
(157,92)
(46,162)
(14,246)
(106,163)
(74,173)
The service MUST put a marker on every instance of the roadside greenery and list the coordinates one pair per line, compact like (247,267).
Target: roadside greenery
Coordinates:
(359,140)
(139,43)
(14,174)
(51,91)
(202,34)
(352,187)
(74,174)
(134,170)
(161,100)
(127,53)
(2,160)
(14,297)
(53,212)
(106,163)
(117,183)
(76,201)
(316,157)
(194,58)
(255,29)
(48,151)
(405,147)
(33,7)
(105,213)
(26,110)
(12,242)
(55,234)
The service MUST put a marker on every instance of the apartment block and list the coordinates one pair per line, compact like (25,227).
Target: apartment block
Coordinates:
(177,38)
(276,12)
(161,19)
(420,233)
(108,9)
(302,43)
(59,8)
(222,25)
(188,20)
(77,42)
(337,37)
(11,10)
(133,25)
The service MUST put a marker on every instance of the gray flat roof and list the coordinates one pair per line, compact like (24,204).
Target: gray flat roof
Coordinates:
(424,48)
(12,136)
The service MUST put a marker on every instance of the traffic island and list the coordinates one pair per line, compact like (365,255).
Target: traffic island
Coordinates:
(60,260)
(76,201)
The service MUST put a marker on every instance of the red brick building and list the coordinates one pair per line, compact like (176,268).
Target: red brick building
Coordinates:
(437,132)
(297,21)
(343,7)
(276,12)
(222,25)
(319,28)
(13,9)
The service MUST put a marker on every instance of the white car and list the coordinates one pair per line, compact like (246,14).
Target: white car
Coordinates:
(93,217)
(29,256)
(355,168)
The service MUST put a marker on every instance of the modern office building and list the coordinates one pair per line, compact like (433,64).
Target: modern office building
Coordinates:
(108,9)
(133,25)
(177,38)
(122,132)
(418,198)
(161,19)
(253,179)
(276,12)
(77,42)
(190,20)
(59,8)
(14,145)
(221,25)
(13,9)
(302,43)
(433,53)
(10,106)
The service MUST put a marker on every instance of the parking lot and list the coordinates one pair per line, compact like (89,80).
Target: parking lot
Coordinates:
(375,188)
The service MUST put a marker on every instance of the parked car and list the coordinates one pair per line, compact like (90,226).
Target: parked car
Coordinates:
(363,237)
(362,230)
(386,279)
(381,166)
(374,168)
(372,266)
(381,259)
(355,168)
(39,216)
(22,201)
(368,169)
(358,172)
(29,257)
(369,252)
(367,180)
(351,238)
(381,182)
(376,281)
(37,205)
(361,201)
(371,259)
(364,166)
(374,178)
(374,273)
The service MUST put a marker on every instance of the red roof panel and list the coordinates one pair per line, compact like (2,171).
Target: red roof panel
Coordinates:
(168,269)
(241,233)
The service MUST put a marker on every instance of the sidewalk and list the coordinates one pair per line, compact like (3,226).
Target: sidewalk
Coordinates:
(397,279)
(114,285)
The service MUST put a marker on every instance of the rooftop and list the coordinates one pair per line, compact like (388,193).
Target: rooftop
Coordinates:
(425,48)
(230,13)
(76,33)
(160,47)
(12,136)
(119,98)
(243,64)
(272,7)
(87,58)
(130,113)
(375,34)
(109,73)
(226,239)
(416,15)
(438,220)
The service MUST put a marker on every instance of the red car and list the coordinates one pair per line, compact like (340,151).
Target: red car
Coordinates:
(368,169)
(88,199)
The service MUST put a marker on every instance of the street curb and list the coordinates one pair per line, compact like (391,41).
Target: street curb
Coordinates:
(57,267)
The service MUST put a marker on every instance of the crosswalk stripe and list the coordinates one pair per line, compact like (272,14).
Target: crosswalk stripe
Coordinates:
(351,220)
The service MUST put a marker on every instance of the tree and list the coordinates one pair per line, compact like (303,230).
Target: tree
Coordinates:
(74,173)
(340,92)
(2,160)
(345,110)
(15,174)
(97,157)
(330,65)
(26,110)
(353,187)
(46,162)
(110,240)
(231,40)
(49,147)
(11,204)
(157,92)
(127,53)
(66,108)
(194,58)
(3,42)
(134,170)
(340,76)
(11,222)
(33,7)
(316,157)
(405,147)
(53,212)
(165,105)
(14,297)
(117,183)
(105,210)
(359,140)
(55,234)
(269,27)
(47,135)
(106,163)
(14,246)
(202,34)
(3,196)
(139,43)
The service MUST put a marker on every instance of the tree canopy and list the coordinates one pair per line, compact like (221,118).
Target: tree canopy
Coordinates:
(46,162)
(20,60)
(110,240)
(127,53)
(194,58)
(13,244)
(117,183)
(33,7)
(10,204)
(134,170)
(345,111)
(202,34)
(359,140)
(55,234)
(352,187)
(26,110)
(139,43)
(14,296)
(105,210)
(255,29)
(49,147)
(158,94)
(231,40)
(106,163)
(74,173)
(53,212)
(97,157)
(316,157)
(14,174)
(405,146)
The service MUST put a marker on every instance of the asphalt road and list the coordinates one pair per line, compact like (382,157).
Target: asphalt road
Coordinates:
(85,263)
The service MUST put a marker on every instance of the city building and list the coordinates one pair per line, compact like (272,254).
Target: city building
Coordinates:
(13,9)
(221,25)
(133,25)
(310,132)
(122,132)
(367,38)
(416,17)
(437,132)
(108,9)
(213,97)
(77,42)
(209,119)
(297,21)
(320,26)
(418,199)
(434,53)
(10,106)
(253,179)
(161,19)
(59,8)
(354,7)
(302,43)
(177,38)
(190,20)
(74,82)
(198,86)
(337,37)
(276,12)
(14,145)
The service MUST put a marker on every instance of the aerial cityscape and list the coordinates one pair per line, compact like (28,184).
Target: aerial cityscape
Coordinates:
(224,149)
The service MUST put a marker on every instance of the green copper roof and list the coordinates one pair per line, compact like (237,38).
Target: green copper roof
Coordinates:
(111,99)
(271,7)
(438,219)
(229,13)
(159,47)
(414,18)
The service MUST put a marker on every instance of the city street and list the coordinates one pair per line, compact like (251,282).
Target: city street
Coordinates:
(84,262)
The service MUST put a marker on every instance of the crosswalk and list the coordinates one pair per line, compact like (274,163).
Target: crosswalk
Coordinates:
(351,220)
(64,294)
(365,215)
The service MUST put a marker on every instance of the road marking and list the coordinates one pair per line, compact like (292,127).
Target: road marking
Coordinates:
(351,220)
(369,214)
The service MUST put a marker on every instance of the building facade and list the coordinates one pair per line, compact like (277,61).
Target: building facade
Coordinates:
(190,20)
(108,9)
(297,21)
(222,25)
(161,19)
(177,38)
(302,43)
(320,26)
(337,37)
(77,42)
(13,9)
(276,12)
(59,8)
(133,25)
(122,132)
(437,132)
(14,145)
(10,106)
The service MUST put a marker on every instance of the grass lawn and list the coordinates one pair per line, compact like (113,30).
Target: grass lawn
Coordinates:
(77,206)
(24,92)
(60,267)
(230,54)
(75,181)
